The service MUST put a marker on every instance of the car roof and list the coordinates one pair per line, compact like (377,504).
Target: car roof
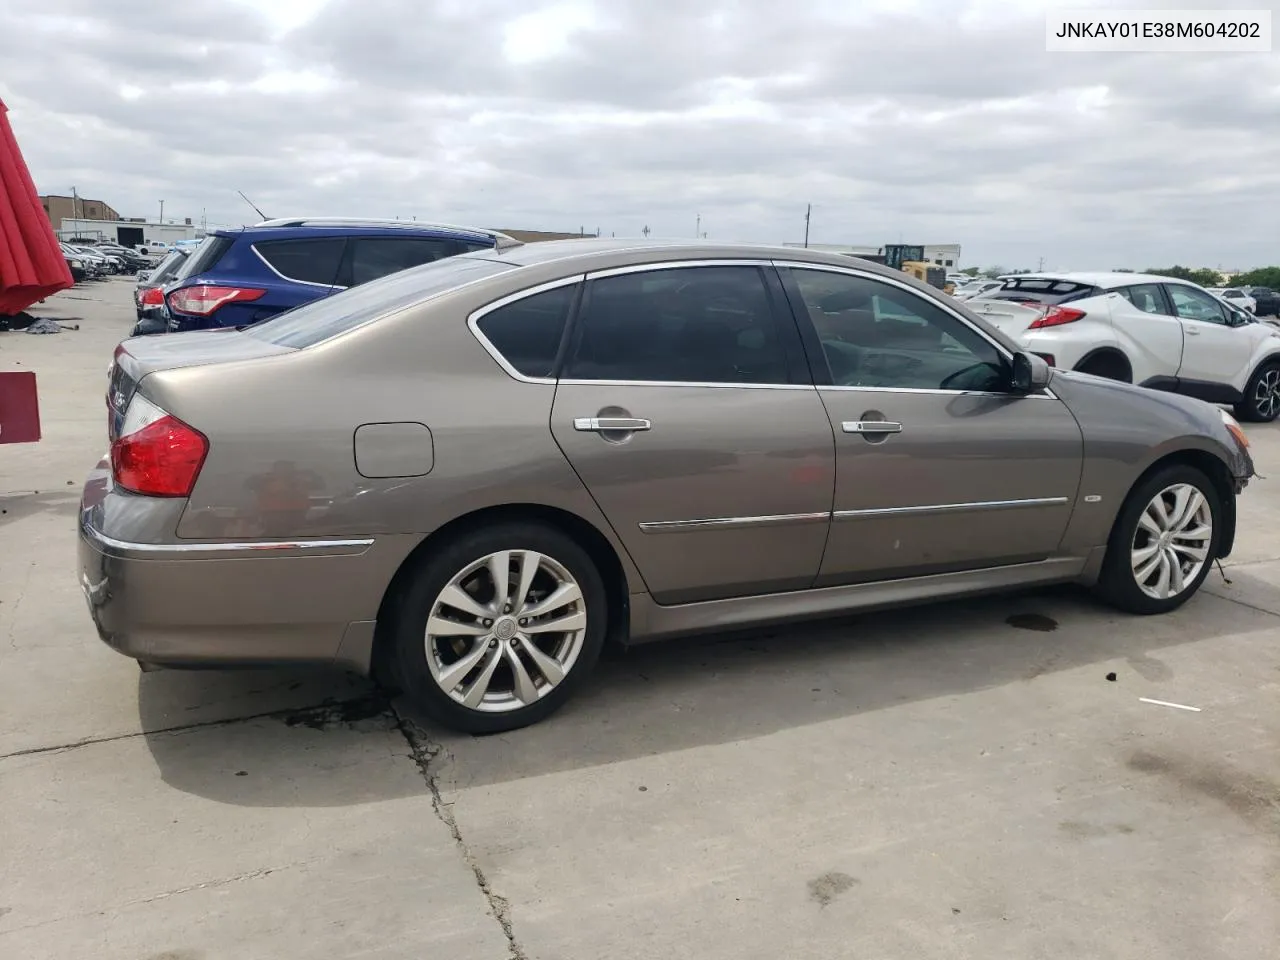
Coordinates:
(592,253)
(295,227)
(1107,280)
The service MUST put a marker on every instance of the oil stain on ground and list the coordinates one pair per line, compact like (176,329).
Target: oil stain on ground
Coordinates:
(824,889)
(1033,621)
(1252,798)
(341,713)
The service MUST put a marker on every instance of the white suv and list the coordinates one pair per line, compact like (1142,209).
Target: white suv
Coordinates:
(1158,332)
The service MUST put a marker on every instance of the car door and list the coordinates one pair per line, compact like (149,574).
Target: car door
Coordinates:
(1215,353)
(685,407)
(939,467)
(1148,332)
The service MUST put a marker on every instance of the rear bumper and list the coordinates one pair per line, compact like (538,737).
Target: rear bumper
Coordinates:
(224,604)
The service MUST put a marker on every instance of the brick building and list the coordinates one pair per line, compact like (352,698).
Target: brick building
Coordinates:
(59,208)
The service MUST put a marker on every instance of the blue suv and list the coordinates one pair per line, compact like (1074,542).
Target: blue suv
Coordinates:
(238,277)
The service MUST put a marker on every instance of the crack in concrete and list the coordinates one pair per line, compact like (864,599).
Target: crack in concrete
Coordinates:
(283,713)
(424,751)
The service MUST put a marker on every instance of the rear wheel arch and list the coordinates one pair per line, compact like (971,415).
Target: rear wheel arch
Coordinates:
(1107,358)
(586,534)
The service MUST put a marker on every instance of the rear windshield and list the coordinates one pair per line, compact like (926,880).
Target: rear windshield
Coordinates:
(322,319)
(1041,290)
(168,266)
(206,256)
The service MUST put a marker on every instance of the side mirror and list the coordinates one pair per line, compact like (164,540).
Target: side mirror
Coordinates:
(1030,373)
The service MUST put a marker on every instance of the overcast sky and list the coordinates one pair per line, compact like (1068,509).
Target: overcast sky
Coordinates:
(909,120)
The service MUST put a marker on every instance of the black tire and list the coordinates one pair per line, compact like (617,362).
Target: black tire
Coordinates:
(1118,583)
(1108,365)
(409,651)
(1261,403)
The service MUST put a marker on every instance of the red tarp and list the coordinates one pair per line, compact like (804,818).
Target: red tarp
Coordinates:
(31,263)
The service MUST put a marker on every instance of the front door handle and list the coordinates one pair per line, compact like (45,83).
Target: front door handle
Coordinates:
(611,424)
(1192,332)
(871,426)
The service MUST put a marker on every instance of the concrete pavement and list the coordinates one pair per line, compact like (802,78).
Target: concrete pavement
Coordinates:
(959,781)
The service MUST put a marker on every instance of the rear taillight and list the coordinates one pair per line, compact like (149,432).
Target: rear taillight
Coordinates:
(156,454)
(152,297)
(1056,317)
(206,298)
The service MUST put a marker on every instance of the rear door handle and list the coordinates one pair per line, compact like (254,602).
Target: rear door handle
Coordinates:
(871,426)
(609,424)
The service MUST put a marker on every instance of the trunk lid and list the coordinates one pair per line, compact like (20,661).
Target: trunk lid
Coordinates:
(1009,317)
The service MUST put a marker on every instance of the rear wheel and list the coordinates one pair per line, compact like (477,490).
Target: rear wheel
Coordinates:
(1261,402)
(1112,366)
(1163,542)
(500,627)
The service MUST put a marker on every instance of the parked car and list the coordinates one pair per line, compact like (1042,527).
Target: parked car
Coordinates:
(95,266)
(1237,296)
(148,293)
(243,276)
(76,266)
(1154,331)
(976,288)
(463,476)
(1266,301)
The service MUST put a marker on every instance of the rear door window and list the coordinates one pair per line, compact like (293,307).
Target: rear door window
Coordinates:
(680,325)
(306,261)
(373,257)
(1146,297)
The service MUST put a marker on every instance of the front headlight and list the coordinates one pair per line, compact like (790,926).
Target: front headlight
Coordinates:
(1233,426)
(77,264)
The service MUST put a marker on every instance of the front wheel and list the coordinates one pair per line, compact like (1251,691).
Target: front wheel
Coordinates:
(1261,403)
(1163,543)
(500,627)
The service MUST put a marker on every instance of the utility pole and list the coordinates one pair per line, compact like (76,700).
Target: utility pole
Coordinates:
(75,205)
(697,226)
(162,211)
(808,211)
(1041,267)
(645,231)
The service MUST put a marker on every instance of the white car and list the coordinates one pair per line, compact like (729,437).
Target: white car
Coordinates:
(976,288)
(1236,296)
(1154,331)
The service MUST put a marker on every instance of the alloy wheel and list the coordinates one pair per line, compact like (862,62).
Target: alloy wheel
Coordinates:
(1171,544)
(505,631)
(1266,395)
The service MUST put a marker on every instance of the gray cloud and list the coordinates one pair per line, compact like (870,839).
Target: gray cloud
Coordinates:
(927,121)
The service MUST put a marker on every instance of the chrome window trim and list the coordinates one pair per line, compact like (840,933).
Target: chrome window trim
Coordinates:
(732,523)
(1047,394)
(936,508)
(309,283)
(945,308)
(678,265)
(474,318)
(685,383)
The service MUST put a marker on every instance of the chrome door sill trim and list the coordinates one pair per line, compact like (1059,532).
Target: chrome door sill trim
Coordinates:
(951,508)
(732,523)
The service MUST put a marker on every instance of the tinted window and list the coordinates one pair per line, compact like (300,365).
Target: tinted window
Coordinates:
(874,334)
(527,332)
(374,257)
(686,325)
(1192,304)
(1145,296)
(206,257)
(1042,290)
(311,261)
(321,319)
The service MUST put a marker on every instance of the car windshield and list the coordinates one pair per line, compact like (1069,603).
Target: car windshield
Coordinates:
(323,319)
